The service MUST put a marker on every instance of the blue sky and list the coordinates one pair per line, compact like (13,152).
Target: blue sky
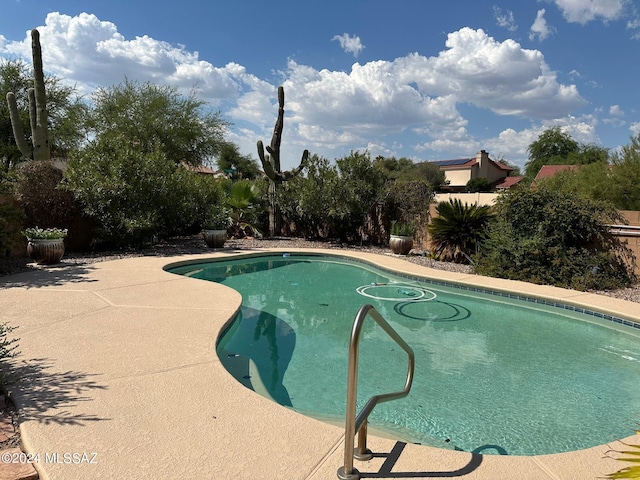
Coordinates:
(408,78)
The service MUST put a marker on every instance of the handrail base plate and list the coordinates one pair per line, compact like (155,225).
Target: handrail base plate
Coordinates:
(354,475)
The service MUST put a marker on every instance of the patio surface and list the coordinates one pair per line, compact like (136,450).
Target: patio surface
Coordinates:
(118,363)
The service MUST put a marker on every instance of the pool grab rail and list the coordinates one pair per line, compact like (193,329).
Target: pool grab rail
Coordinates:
(358,424)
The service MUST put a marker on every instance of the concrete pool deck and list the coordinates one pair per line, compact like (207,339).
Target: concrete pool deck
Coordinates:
(118,363)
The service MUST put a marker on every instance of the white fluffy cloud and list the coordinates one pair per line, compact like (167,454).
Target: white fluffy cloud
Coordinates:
(583,11)
(350,44)
(540,29)
(92,53)
(366,107)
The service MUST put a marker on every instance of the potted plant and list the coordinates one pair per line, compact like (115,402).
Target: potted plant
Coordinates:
(401,240)
(215,227)
(45,245)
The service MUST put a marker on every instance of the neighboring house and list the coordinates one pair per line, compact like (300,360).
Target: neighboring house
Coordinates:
(203,170)
(548,171)
(459,171)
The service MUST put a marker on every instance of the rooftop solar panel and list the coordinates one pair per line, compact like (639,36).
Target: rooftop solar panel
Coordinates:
(448,163)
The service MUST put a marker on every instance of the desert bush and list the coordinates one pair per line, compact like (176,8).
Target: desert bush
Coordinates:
(38,189)
(555,238)
(8,347)
(135,195)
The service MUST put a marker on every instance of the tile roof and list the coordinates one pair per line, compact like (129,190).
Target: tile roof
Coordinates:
(550,170)
(508,182)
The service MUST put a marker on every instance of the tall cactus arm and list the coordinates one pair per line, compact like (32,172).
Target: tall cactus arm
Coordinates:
(39,149)
(33,109)
(40,133)
(266,163)
(286,176)
(18,133)
(276,139)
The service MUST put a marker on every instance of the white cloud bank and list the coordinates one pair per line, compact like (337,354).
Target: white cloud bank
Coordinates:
(328,111)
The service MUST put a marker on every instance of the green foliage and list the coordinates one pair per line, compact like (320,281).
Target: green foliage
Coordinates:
(358,188)
(406,170)
(8,346)
(11,217)
(235,165)
(37,187)
(152,118)
(402,229)
(408,200)
(333,200)
(245,202)
(555,238)
(307,200)
(38,233)
(393,167)
(555,147)
(616,182)
(457,229)
(624,179)
(219,218)
(479,185)
(552,147)
(134,195)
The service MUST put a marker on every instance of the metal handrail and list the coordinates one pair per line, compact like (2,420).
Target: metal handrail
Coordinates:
(358,424)
(625,230)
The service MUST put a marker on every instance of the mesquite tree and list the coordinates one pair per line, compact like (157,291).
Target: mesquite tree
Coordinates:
(271,166)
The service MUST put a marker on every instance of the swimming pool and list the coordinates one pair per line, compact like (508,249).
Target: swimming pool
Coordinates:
(493,374)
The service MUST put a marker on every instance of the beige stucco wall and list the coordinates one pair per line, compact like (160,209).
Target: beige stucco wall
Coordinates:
(632,241)
(470,198)
(458,178)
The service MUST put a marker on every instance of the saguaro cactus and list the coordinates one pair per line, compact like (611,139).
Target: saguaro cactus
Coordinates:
(271,166)
(39,149)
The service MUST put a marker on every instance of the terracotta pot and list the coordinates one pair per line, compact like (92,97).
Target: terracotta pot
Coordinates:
(400,244)
(45,251)
(215,238)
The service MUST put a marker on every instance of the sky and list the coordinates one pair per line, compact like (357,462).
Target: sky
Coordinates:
(406,78)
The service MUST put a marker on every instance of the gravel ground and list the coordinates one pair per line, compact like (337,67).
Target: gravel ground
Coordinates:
(195,244)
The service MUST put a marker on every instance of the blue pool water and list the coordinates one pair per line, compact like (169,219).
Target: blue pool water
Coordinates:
(494,375)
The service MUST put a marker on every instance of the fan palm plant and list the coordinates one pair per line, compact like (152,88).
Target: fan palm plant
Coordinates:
(633,456)
(245,202)
(456,230)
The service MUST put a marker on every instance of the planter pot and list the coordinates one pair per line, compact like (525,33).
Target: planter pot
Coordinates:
(400,244)
(45,252)
(215,238)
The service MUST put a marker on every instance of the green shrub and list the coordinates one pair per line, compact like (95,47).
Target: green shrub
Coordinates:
(37,187)
(332,200)
(11,216)
(8,346)
(555,238)
(479,185)
(134,195)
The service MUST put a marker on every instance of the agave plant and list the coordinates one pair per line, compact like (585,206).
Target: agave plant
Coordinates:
(457,229)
